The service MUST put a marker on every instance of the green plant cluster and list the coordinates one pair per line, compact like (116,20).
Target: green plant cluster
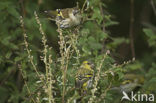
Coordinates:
(39,62)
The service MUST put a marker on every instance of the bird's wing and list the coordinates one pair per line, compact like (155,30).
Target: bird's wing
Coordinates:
(51,13)
(65,12)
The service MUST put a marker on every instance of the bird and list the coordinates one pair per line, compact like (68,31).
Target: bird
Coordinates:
(84,77)
(65,18)
(131,82)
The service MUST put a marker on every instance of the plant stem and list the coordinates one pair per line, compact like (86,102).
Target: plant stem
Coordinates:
(153,6)
(131,28)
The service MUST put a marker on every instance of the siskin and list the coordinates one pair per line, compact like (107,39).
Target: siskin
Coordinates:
(84,76)
(65,18)
(131,82)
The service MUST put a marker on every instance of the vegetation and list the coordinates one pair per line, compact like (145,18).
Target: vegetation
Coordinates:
(39,61)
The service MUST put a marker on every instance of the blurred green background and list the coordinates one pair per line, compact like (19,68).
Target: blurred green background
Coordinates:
(12,50)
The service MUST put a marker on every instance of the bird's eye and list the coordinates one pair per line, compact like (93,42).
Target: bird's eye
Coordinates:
(75,12)
(58,10)
(88,63)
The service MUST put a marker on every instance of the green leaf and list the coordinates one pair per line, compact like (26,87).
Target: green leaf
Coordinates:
(102,35)
(86,50)
(97,15)
(151,37)
(8,55)
(117,41)
(109,21)
(13,12)
(18,59)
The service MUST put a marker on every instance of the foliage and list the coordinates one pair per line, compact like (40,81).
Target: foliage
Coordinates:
(39,61)
(150,76)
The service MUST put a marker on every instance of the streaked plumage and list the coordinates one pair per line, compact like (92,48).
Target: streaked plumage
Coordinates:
(84,76)
(130,83)
(66,18)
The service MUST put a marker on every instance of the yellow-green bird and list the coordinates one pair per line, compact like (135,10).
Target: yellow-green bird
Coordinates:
(84,76)
(130,83)
(65,18)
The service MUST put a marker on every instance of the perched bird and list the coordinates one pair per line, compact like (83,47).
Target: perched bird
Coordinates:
(84,76)
(131,82)
(65,18)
